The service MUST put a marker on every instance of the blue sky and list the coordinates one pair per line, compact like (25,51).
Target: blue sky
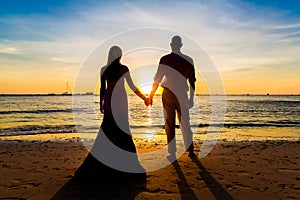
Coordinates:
(53,10)
(254,44)
(290,6)
(50,6)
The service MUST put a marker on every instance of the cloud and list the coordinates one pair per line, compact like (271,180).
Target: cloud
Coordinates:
(285,26)
(64,60)
(10,50)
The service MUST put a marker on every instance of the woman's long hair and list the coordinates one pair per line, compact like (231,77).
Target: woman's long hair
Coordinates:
(114,55)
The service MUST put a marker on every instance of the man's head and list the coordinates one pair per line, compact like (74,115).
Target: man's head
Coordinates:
(176,43)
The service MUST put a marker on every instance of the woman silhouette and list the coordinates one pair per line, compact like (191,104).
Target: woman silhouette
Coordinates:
(114,130)
(113,100)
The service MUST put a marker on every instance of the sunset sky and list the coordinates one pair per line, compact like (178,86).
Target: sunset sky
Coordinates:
(255,44)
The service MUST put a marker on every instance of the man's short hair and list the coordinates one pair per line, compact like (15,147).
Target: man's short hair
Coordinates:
(176,40)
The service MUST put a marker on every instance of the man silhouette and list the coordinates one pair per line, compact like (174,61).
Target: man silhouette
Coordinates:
(173,73)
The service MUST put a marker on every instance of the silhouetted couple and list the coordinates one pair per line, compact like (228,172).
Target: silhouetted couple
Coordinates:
(114,145)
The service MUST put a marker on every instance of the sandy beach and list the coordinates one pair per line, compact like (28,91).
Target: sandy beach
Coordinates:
(44,169)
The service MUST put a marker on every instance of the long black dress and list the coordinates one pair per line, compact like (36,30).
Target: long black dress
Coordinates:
(114,145)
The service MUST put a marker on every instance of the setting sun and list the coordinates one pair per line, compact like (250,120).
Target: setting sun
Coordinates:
(146,89)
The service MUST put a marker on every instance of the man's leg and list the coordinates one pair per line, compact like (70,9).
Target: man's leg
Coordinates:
(169,115)
(184,121)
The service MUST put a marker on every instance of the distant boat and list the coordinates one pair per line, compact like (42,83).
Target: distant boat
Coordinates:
(68,91)
(88,93)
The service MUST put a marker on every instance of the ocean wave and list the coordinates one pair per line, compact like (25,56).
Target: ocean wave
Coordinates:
(35,129)
(232,125)
(35,111)
(245,125)
(265,101)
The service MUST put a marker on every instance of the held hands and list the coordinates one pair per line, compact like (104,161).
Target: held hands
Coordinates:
(148,101)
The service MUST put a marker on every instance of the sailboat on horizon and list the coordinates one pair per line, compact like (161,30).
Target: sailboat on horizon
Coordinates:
(68,91)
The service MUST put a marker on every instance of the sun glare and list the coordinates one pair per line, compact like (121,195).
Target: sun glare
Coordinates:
(146,89)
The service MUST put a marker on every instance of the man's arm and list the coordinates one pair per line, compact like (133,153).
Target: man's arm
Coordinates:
(192,80)
(192,92)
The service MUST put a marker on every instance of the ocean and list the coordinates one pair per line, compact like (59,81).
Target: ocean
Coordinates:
(248,117)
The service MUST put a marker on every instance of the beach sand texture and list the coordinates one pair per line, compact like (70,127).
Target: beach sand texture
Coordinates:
(44,169)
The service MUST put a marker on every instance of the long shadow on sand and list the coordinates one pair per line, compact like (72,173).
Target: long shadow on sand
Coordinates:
(102,189)
(95,181)
(216,188)
(185,191)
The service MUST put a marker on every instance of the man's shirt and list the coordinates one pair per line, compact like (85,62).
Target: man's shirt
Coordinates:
(174,70)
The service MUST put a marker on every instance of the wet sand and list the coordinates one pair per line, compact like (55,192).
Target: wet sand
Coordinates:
(44,169)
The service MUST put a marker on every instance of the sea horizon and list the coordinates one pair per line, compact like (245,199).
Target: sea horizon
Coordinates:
(248,117)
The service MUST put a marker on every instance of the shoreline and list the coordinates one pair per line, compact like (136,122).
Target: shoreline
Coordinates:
(43,169)
(226,134)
